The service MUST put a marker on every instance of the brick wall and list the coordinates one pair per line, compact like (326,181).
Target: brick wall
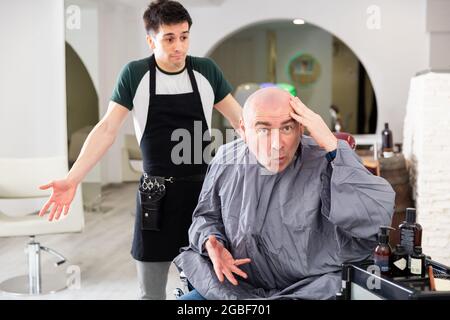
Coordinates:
(427,150)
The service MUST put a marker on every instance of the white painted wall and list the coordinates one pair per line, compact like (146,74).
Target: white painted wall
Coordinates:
(391,54)
(438,25)
(121,40)
(111,34)
(84,40)
(32,79)
(33,98)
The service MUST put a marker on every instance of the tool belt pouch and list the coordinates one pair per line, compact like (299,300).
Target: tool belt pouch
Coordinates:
(152,190)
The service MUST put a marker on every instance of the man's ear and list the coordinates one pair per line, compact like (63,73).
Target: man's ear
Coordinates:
(150,42)
(242,129)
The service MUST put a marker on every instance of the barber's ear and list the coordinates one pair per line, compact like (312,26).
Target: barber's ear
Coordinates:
(150,42)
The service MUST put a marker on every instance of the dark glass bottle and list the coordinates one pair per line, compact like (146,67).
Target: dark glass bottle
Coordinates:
(387,142)
(410,231)
(383,251)
(399,262)
(417,262)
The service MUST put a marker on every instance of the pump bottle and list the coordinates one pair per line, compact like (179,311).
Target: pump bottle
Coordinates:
(383,251)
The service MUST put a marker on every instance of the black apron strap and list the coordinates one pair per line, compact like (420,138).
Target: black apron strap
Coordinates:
(193,81)
(195,87)
(152,74)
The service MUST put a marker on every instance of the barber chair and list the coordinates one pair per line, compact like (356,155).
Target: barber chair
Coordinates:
(346,137)
(20,201)
(178,292)
(371,165)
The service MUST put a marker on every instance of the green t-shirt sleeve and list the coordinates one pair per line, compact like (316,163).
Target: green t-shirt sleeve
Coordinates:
(123,93)
(211,71)
(221,86)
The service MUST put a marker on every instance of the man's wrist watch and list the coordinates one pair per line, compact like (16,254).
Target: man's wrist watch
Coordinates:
(331,155)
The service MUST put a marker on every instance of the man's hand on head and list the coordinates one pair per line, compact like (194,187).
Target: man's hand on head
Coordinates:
(314,123)
(223,262)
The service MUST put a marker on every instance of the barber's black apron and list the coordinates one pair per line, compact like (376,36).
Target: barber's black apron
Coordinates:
(167,113)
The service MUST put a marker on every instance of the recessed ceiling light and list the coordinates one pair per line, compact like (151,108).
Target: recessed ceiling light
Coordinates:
(298,21)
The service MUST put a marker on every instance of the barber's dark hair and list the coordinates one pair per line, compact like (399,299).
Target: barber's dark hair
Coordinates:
(165,12)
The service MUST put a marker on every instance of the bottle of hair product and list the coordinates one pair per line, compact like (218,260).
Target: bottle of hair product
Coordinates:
(387,143)
(399,266)
(383,251)
(417,262)
(410,231)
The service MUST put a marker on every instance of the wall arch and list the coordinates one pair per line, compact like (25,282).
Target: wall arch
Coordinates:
(391,54)
(275,25)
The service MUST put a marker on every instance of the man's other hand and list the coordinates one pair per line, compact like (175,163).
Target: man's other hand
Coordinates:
(223,262)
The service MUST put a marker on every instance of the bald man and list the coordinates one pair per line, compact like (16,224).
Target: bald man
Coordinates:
(279,211)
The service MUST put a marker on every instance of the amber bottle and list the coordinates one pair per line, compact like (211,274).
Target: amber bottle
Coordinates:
(383,251)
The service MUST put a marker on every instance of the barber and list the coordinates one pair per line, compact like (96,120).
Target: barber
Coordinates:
(166,92)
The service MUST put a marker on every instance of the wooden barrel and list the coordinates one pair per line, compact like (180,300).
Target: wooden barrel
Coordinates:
(394,170)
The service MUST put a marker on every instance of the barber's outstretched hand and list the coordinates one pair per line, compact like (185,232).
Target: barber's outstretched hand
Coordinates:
(62,195)
(223,262)
(314,123)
